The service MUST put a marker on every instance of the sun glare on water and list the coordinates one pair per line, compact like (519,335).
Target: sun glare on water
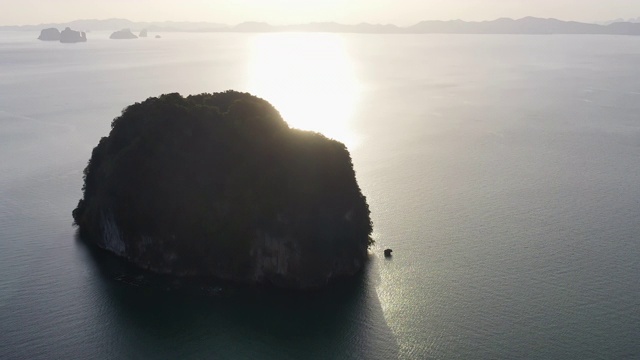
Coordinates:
(310,79)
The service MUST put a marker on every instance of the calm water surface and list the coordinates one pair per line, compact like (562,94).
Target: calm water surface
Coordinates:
(502,170)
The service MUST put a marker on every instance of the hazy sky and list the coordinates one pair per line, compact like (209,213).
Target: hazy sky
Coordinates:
(401,12)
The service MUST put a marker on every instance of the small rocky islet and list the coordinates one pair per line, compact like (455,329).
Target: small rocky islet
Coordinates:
(124,34)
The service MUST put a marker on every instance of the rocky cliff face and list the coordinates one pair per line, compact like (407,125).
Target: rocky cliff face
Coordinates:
(282,262)
(110,236)
(278,261)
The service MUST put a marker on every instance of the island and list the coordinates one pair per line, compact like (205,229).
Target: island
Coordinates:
(50,34)
(123,34)
(66,36)
(70,36)
(219,186)
(143,33)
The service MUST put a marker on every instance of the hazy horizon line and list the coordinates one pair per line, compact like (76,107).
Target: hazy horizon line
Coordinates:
(316,22)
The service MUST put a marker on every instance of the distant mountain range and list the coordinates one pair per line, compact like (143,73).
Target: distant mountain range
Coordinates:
(528,25)
(619,20)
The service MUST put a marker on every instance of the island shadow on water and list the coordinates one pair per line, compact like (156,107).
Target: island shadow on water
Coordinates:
(154,316)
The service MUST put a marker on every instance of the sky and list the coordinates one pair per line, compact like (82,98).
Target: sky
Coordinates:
(280,12)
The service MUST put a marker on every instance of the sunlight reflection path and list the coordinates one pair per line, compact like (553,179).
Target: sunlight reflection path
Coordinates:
(310,79)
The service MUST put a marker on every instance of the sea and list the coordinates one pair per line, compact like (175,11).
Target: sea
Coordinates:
(502,170)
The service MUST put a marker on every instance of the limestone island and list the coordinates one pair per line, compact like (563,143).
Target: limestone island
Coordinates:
(219,186)
(143,33)
(70,36)
(66,36)
(50,34)
(123,34)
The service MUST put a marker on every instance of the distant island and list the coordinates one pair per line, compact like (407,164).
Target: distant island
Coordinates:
(50,34)
(218,185)
(114,24)
(527,25)
(70,36)
(66,36)
(123,34)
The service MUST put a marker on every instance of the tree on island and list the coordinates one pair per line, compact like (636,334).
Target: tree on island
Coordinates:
(219,185)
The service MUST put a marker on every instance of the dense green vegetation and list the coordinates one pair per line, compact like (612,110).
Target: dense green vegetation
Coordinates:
(206,175)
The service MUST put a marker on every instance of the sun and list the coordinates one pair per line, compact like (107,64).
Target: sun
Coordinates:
(310,79)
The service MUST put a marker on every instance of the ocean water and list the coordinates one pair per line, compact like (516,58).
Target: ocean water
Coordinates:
(502,170)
